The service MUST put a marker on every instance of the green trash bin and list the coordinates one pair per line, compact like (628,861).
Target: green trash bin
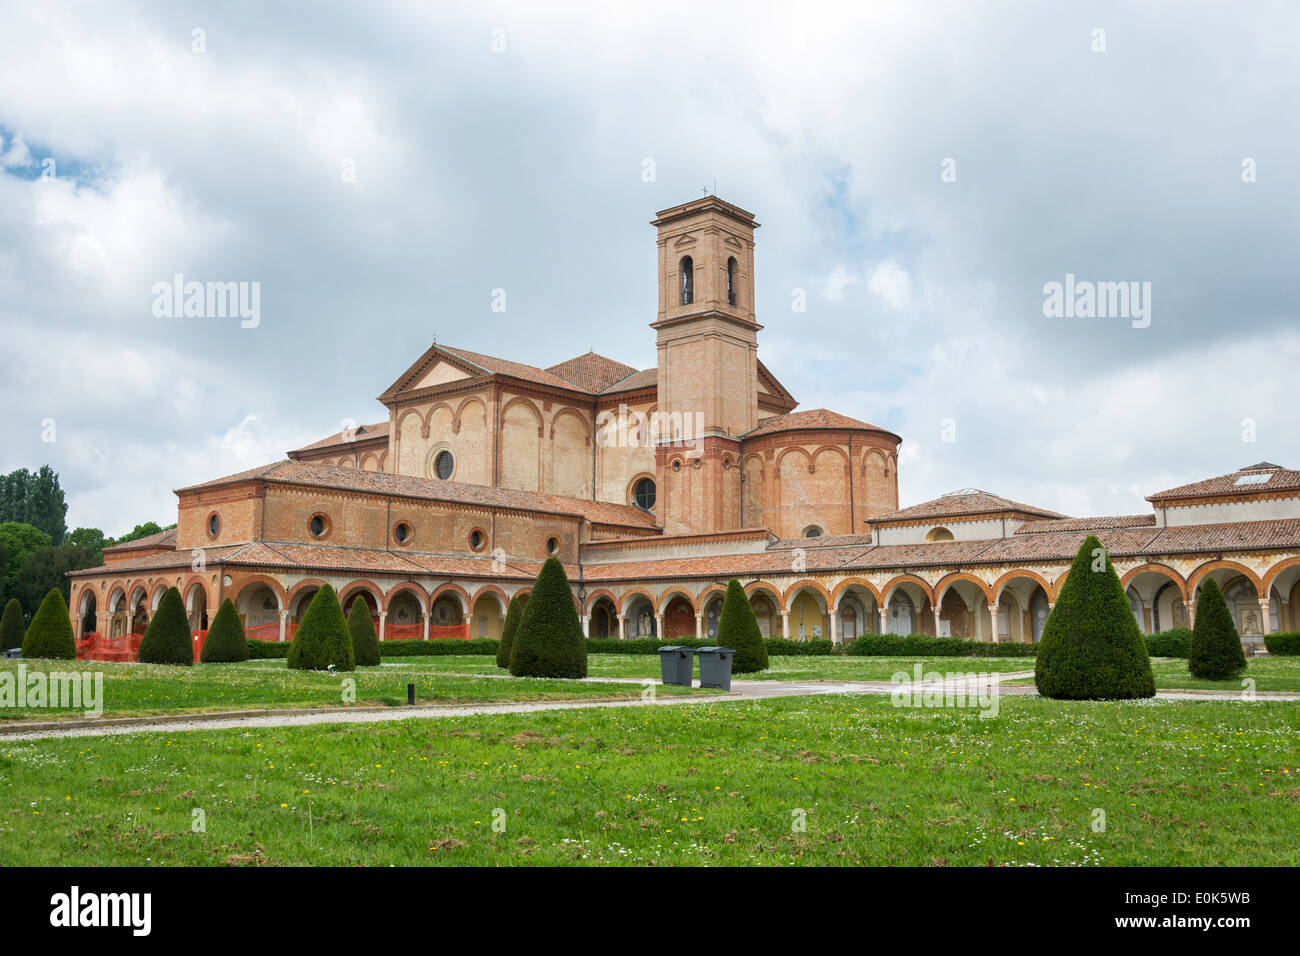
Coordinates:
(675,665)
(715,667)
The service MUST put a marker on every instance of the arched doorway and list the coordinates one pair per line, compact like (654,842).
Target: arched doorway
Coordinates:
(604,619)
(679,618)
(486,619)
(196,607)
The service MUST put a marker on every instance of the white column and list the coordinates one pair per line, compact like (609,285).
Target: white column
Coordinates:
(1267,622)
(936,621)
(622,627)
(993,623)
(834,626)
(785,624)
(425,615)
(284,624)
(383,617)
(586,626)
(659,627)
(884,619)
(699,627)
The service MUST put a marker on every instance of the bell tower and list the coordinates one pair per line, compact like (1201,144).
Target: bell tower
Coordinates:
(707,339)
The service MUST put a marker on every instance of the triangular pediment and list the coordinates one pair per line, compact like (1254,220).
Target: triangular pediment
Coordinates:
(434,367)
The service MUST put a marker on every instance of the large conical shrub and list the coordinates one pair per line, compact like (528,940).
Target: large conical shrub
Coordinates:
(738,629)
(1216,648)
(361,631)
(322,638)
(1092,648)
(513,613)
(50,633)
(226,642)
(549,641)
(12,626)
(168,639)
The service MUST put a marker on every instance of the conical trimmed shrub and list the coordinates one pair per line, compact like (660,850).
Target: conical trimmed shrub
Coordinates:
(50,633)
(12,626)
(513,613)
(549,641)
(322,637)
(168,639)
(1216,647)
(361,631)
(226,642)
(1092,648)
(738,629)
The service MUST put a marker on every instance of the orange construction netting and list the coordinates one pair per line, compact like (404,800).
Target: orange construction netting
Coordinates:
(95,647)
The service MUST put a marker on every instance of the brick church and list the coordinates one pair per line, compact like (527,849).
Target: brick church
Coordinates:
(655,487)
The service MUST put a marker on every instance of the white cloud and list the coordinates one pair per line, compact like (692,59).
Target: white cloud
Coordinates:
(891,282)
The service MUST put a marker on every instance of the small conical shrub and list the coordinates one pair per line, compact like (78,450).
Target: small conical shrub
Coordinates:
(12,626)
(322,637)
(226,642)
(168,639)
(549,641)
(1092,648)
(50,633)
(738,629)
(513,613)
(1216,648)
(361,631)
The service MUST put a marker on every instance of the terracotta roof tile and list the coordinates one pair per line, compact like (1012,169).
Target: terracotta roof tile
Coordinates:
(360,433)
(163,539)
(592,372)
(1045,525)
(967,502)
(646,378)
(816,418)
(1278,479)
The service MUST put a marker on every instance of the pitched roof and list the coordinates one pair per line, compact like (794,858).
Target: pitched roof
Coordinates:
(1261,477)
(318,475)
(360,433)
(592,372)
(500,366)
(646,378)
(816,418)
(1049,525)
(968,502)
(163,539)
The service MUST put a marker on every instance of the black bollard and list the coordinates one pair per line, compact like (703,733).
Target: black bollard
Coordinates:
(410,693)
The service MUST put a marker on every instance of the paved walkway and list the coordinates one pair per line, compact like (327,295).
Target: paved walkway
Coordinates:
(741,690)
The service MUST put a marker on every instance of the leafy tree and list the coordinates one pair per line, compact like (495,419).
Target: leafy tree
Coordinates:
(50,633)
(1092,648)
(738,629)
(142,531)
(92,539)
(20,541)
(13,626)
(35,499)
(168,639)
(48,568)
(549,641)
(1216,648)
(322,638)
(225,642)
(513,613)
(361,629)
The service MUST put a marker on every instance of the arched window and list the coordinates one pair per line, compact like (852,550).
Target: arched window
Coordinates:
(812,531)
(688,280)
(643,494)
(732,281)
(939,534)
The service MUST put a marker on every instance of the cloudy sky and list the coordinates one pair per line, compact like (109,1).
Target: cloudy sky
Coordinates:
(921,170)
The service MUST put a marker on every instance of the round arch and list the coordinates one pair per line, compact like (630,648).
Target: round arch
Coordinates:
(1194,579)
(1167,571)
(595,596)
(1002,581)
(897,581)
(948,580)
(421,596)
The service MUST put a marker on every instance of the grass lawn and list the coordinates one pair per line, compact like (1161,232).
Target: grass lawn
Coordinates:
(150,689)
(1202,783)
(782,667)
(1268,673)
